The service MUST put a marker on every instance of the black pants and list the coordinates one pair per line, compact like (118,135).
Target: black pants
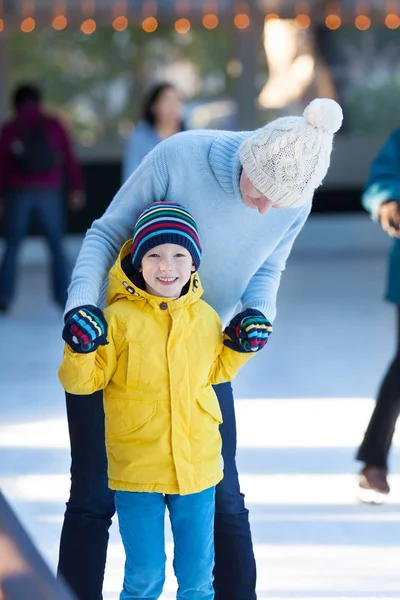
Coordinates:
(90,508)
(378,438)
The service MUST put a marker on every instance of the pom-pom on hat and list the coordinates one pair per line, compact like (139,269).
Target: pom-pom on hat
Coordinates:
(287,159)
(165,223)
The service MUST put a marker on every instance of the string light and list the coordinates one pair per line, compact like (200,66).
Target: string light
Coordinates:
(333,20)
(363,22)
(241,21)
(1,19)
(210,17)
(88,26)
(271,17)
(120,20)
(28,25)
(182,26)
(149,24)
(120,23)
(392,21)
(302,19)
(210,21)
(59,22)
(1,25)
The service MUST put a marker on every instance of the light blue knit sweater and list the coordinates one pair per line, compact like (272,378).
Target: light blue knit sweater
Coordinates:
(244,253)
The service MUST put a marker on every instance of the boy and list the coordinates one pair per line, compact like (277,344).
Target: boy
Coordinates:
(165,351)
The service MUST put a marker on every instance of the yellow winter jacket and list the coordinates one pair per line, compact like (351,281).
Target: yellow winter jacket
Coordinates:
(162,416)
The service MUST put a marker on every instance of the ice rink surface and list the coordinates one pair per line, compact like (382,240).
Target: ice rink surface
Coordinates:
(302,406)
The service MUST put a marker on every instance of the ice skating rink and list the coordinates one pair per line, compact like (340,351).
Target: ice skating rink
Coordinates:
(302,406)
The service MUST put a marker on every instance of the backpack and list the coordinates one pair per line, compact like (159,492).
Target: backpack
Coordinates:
(32,152)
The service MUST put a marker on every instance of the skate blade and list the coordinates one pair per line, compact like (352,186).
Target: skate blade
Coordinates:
(371,496)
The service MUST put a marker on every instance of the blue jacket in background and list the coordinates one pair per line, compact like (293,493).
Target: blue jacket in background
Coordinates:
(384,184)
(140,142)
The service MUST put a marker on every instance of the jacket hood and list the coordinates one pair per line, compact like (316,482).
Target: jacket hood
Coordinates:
(121,286)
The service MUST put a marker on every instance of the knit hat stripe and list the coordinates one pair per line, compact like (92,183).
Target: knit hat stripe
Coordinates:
(143,226)
(166,232)
(178,227)
(165,213)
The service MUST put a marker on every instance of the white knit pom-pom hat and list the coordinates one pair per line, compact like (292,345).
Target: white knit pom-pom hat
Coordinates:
(287,159)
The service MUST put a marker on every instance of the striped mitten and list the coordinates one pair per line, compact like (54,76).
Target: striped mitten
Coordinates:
(85,329)
(248,331)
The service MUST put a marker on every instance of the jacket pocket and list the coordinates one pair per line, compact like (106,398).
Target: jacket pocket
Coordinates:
(125,415)
(209,403)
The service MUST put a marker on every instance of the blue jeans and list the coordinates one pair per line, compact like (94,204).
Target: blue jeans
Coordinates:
(141,519)
(48,206)
(90,508)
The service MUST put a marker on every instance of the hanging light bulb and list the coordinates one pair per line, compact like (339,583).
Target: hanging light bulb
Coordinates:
(182,9)
(271,17)
(210,18)
(242,19)
(302,18)
(1,16)
(28,23)
(59,21)
(182,26)
(120,20)
(88,25)
(392,20)
(120,23)
(362,21)
(332,19)
(149,23)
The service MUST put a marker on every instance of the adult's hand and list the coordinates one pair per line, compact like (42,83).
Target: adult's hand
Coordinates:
(389,217)
(85,329)
(77,200)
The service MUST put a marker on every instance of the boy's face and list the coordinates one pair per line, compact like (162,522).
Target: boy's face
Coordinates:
(166,269)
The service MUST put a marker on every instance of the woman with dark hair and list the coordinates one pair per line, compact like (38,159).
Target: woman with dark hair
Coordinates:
(161,118)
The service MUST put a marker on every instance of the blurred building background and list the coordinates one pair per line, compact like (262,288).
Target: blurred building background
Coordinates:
(237,64)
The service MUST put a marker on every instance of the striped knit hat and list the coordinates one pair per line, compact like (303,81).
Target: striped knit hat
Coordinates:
(165,223)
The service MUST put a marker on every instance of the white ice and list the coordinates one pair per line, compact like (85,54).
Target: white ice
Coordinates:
(302,406)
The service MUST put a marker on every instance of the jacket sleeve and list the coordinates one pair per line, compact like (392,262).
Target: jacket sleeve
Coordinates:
(383,183)
(227,364)
(87,373)
(263,287)
(104,239)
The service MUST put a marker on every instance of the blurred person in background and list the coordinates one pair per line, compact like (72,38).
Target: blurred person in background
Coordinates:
(250,194)
(161,118)
(382,199)
(35,155)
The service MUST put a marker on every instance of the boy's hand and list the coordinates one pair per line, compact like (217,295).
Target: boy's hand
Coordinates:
(85,329)
(248,331)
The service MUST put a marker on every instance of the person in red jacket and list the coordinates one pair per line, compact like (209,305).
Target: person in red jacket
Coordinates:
(36,165)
